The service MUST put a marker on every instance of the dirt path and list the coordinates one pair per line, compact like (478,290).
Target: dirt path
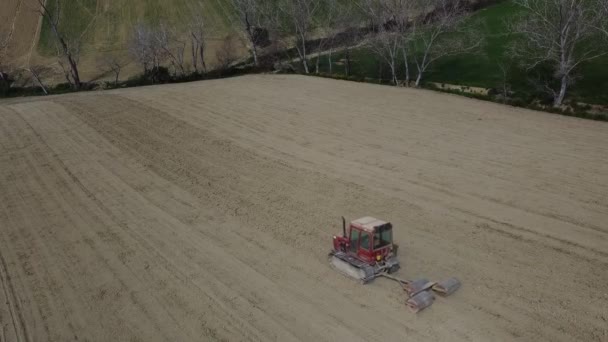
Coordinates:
(204,211)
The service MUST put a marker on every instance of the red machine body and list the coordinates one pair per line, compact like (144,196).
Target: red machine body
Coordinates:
(368,239)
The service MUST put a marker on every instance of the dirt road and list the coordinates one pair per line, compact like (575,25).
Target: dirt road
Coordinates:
(204,211)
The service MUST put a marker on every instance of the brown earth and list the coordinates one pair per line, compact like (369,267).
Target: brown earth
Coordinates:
(204,211)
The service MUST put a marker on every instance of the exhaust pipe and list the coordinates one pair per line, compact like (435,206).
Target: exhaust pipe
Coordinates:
(343,227)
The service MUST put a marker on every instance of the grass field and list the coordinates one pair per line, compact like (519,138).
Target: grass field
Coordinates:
(481,70)
(107,25)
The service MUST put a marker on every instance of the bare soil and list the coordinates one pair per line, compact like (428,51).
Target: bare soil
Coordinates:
(205,211)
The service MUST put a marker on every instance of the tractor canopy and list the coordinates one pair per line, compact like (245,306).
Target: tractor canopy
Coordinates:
(382,231)
(369,224)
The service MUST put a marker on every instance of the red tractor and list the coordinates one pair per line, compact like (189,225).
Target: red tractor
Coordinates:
(366,251)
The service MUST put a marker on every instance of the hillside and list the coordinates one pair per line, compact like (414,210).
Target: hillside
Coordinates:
(482,69)
(108,25)
(104,27)
(19,19)
(205,211)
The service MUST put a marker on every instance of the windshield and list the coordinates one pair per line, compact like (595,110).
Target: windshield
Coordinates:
(383,236)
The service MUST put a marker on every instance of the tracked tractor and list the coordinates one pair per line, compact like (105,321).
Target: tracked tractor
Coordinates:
(366,251)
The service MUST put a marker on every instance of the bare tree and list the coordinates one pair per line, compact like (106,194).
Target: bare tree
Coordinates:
(226,54)
(111,63)
(4,40)
(603,10)
(391,21)
(386,45)
(348,26)
(505,87)
(171,47)
(344,26)
(6,78)
(198,35)
(39,72)
(68,45)
(430,42)
(250,14)
(299,18)
(558,34)
(327,24)
(144,47)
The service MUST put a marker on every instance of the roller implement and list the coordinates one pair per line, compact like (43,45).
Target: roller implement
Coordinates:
(366,251)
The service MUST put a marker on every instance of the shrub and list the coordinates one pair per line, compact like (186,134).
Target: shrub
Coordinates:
(158,75)
(5,84)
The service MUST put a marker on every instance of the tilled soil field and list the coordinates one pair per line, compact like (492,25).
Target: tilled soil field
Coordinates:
(205,211)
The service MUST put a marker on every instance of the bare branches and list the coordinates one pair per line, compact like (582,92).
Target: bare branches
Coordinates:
(430,42)
(603,10)
(328,21)
(153,46)
(198,35)
(112,64)
(226,54)
(39,72)
(557,33)
(145,48)
(171,47)
(250,15)
(299,18)
(6,79)
(4,40)
(391,20)
(68,47)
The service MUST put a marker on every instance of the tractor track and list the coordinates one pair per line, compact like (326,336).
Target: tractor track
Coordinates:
(17,321)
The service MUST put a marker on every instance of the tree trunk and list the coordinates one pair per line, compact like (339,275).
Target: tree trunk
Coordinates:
(254,49)
(66,52)
(319,49)
(40,83)
(75,73)
(201,50)
(329,61)
(303,55)
(73,65)
(347,62)
(194,46)
(559,97)
(394,73)
(418,79)
(407,68)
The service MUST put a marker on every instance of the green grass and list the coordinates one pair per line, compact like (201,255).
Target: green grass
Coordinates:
(109,27)
(481,69)
(75,18)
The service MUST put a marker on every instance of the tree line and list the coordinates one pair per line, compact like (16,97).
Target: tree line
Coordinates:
(554,38)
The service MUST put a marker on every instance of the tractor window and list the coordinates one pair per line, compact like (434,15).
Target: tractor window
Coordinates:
(383,237)
(365,241)
(354,240)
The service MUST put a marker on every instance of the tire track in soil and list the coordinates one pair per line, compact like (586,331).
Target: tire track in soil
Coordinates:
(18,323)
(160,171)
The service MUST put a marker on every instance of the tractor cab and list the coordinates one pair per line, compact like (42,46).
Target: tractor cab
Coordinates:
(368,239)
